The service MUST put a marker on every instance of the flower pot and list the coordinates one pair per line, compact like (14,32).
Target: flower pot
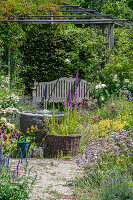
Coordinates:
(63,143)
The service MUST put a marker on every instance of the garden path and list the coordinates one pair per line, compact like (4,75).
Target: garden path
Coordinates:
(53,176)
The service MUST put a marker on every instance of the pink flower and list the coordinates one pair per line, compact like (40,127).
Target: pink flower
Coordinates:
(11,142)
(113,105)
(19,149)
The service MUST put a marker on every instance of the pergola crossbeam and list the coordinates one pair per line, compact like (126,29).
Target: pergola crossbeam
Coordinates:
(88,21)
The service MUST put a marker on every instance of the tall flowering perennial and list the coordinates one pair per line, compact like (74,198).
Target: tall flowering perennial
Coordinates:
(16,182)
(76,93)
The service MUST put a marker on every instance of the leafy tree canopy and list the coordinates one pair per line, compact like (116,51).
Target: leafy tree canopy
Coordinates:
(13,8)
(118,8)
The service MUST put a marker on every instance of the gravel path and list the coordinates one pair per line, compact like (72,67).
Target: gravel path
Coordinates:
(53,176)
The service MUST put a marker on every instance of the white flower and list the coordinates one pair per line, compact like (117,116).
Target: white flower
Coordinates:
(3,119)
(126,80)
(7,80)
(67,61)
(102,98)
(115,77)
(100,86)
(10,126)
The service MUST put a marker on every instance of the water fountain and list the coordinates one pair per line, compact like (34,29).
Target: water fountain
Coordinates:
(39,118)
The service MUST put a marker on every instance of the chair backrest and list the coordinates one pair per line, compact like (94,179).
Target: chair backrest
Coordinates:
(57,90)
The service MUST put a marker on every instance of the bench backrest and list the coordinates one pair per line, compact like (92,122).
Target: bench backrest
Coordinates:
(57,90)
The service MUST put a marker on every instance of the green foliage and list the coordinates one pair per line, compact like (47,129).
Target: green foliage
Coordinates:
(117,107)
(11,188)
(116,185)
(13,8)
(45,52)
(7,98)
(118,8)
(69,125)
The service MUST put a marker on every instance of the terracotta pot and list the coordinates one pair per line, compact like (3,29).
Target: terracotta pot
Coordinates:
(63,143)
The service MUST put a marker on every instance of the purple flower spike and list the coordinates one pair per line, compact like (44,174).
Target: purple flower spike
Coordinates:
(2,129)
(77,77)
(64,102)
(81,104)
(27,147)
(0,133)
(76,104)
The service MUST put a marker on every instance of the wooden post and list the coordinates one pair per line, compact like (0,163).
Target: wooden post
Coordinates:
(106,44)
(111,36)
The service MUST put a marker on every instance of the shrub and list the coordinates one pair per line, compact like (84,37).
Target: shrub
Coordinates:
(8,136)
(106,126)
(101,154)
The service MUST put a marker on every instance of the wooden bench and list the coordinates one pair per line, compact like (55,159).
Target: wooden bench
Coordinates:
(57,90)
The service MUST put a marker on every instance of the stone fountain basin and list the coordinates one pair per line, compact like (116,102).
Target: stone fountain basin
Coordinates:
(29,118)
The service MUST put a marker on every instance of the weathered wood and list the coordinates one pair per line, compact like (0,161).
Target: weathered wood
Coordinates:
(89,21)
(69,16)
(111,36)
(60,88)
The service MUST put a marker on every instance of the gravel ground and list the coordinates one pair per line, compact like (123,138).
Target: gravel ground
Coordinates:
(53,176)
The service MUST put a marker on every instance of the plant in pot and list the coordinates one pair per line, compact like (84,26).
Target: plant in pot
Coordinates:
(64,135)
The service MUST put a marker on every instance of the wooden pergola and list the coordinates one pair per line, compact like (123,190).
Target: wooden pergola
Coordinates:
(74,14)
